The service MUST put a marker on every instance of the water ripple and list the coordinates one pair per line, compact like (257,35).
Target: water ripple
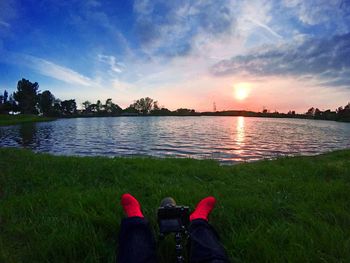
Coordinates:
(226,139)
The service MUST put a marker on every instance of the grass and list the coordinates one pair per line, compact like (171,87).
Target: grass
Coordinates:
(66,209)
(6,120)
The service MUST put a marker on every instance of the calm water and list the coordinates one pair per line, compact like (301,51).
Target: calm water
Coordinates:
(227,139)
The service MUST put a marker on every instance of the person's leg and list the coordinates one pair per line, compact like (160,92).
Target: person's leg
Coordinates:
(205,246)
(136,240)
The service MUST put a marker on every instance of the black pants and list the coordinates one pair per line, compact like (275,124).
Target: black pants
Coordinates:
(137,243)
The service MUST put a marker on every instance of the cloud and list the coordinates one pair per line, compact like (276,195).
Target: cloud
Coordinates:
(7,14)
(111,61)
(256,17)
(325,12)
(168,27)
(325,60)
(266,27)
(50,69)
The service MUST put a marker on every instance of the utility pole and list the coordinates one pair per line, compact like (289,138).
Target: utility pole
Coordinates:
(214,106)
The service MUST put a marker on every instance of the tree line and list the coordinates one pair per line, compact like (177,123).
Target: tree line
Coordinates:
(340,114)
(27,99)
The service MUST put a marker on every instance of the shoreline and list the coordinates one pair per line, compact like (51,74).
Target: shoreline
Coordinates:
(9,120)
(174,157)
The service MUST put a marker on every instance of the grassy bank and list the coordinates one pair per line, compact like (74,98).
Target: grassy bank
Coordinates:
(6,120)
(66,209)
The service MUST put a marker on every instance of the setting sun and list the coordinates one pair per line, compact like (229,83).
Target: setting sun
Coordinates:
(241,91)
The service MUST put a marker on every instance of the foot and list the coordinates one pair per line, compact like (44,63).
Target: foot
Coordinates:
(203,208)
(131,206)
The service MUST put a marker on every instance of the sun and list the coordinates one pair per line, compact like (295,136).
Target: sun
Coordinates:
(241,90)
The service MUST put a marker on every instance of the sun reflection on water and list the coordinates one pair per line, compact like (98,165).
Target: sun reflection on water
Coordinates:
(240,135)
(240,132)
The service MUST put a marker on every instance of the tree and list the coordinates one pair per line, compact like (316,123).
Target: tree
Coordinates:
(131,110)
(9,105)
(5,96)
(2,106)
(109,105)
(99,106)
(311,111)
(13,105)
(143,105)
(116,109)
(93,107)
(86,105)
(46,102)
(340,109)
(344,113)
(184,111)
(68,107)
(318,113)
(26,96)
(161,112)
(155,105)
(56,108)
(112,108)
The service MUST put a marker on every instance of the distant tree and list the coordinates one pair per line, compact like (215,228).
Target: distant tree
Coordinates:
(5,96)
(2,108)
(143,105)
(26,96)
(56,108)
(13,105)
(109,105)
(318,113)
(68,107)
(155,106)
(93,108)
(9,105)
(99,106)
(161,112)
(184,111)
(340,109)
(46,102)
(343,114)
(329,115)
(112,108)
(311,111)
(86,105)
(131,109)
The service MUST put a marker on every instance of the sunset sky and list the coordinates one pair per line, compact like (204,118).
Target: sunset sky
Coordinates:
(287,55)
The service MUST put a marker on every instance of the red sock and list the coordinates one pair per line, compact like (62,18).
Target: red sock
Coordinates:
(203,208)
(131,206)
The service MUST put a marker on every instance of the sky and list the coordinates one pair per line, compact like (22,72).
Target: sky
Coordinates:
(285,55)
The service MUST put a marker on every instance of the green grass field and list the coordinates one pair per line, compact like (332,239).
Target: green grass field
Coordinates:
(66,209)
(6,120)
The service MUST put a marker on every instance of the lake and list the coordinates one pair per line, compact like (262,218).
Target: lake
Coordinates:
(226,139)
